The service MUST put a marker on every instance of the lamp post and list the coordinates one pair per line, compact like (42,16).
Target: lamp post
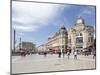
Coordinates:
(61,33)
(20,43)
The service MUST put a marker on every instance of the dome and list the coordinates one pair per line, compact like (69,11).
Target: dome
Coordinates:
(63,27)
(80,20)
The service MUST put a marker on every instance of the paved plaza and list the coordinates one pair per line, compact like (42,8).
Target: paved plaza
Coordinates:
(51,62)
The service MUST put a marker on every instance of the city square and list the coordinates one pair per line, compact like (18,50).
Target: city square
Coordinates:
(56,40)
(40,63)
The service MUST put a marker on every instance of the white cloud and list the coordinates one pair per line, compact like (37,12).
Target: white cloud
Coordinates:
(27,16)
(89,10)
(26,28)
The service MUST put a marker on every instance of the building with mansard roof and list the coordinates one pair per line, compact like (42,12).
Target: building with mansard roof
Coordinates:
(79,37)
(58,42)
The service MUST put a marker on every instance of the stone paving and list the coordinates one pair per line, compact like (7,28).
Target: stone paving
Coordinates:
(40,63)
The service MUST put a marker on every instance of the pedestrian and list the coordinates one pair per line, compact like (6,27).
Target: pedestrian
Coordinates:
(75,54)
(63,53)
(45,53)
(68,54)
(59,54)
(94,54)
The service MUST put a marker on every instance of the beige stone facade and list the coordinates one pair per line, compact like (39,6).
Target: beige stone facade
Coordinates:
(81,35)
(42,48)
(59,41)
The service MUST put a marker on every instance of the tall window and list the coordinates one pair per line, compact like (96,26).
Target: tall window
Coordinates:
(90,37)
(79,38)
(69,40)
(81,34)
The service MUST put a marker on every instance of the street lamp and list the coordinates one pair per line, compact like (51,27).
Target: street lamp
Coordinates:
(61,42)
(20,43)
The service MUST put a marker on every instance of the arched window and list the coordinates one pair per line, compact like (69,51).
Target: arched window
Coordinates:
(79,34)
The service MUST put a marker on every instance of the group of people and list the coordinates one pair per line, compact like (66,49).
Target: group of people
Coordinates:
(75,54)
(68,54)
(24,53)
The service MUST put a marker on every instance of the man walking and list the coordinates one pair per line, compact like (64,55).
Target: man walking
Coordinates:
(68,54)
(75,54)
(59,54)
(63,53)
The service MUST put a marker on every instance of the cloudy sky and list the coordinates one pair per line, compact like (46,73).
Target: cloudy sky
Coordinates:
(35,22)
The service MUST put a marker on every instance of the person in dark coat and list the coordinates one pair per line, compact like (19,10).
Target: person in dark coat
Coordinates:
(45,53)
(59,53)
(94,54)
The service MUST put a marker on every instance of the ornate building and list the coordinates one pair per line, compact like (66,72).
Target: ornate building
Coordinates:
(80,38)
(59,41)
(81,35)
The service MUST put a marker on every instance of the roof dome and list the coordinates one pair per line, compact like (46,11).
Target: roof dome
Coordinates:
(80,20)
(63,27)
